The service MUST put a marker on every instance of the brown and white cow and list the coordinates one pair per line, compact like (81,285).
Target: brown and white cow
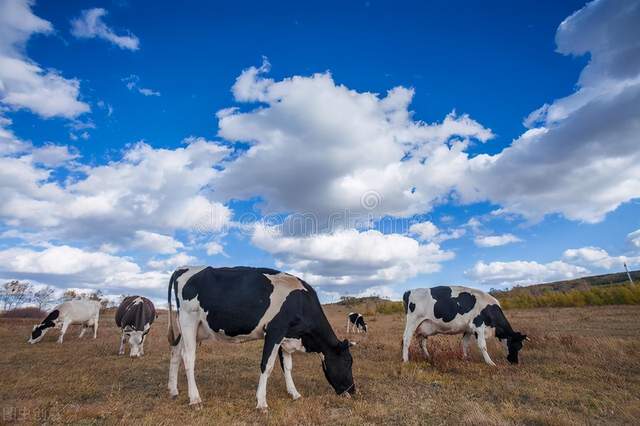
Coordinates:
(241,304)
(458,310)
(135,316)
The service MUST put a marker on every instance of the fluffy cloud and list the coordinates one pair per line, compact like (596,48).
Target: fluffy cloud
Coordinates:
(523,272)
(132,82)
(585,143)
(171,263)
(495,240)
(135,201)
(320,148)
(349,256)
(634,238)
(90,25)
(23,83)
(599,258)
(427,231)
(67,266)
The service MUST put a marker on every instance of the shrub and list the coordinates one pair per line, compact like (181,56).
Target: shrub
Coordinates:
(387,308)
(27,312)
(605,295)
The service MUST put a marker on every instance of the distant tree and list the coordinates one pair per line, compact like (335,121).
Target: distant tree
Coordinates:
(70,295)
(15,293)
(43,296)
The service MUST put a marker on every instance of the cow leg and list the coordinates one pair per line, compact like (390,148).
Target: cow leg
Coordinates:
(286,361)
(482,345)
(174,366)
(189,331)
(466,339)
(269,353)
(409,330)
(65,325)
(505,346)
(348,324)
(84,328)
(95,327)
(423,345)
(122,340)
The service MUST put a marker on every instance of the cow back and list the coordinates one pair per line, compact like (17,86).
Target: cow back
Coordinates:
(135,312)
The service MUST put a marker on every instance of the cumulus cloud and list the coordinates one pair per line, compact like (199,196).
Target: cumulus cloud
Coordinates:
(349,256)
(584,143)
(23,83)
(599,258)
(67,266)
(90,25)
(427,231)
(171,263)
(521,272)
(495,240)
(634,238)
(318,147)
(135,201)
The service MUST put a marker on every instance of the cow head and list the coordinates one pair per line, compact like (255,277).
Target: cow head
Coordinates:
(336,365)
(136,338)
(514,344)
(37,333)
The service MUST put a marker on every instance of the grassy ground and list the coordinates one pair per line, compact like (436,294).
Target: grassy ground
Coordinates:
(583,366)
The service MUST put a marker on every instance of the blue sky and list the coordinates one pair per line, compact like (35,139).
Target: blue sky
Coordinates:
(488,144)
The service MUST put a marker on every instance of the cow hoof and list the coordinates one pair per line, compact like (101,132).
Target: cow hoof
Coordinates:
(296,396)
(262,407)
(197,406)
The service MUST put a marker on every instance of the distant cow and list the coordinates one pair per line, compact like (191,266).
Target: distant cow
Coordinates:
(356,321)
(135,316)
(458,310)
(84,312)
(241,304)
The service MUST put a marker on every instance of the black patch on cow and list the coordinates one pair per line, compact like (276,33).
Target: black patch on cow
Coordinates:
(447,307)
(48,322)
(405,300)
(235,299)
(412,306)
(492,316)
(353,317)
(135,315)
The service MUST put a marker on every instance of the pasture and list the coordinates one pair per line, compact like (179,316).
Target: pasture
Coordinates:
(582,366)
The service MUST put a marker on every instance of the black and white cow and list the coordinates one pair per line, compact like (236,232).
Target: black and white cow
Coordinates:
(356,322)
(84,312)
(135,316)
(458,310)
(241,304)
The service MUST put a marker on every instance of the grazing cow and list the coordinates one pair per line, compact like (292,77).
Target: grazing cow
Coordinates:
(458,310)
(84,312)
(135,316)
(241,304)
(356,321)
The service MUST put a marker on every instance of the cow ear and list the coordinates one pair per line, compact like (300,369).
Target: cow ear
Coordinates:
(343,345)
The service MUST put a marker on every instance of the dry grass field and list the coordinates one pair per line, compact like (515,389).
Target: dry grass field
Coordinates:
(583,366)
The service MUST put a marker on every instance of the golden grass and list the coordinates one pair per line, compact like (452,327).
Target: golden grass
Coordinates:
(583,366)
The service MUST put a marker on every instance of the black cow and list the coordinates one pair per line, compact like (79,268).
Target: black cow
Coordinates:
(458,310)
(135,316)
(241,304)
(356,321)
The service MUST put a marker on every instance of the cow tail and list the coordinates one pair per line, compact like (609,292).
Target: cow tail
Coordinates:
(173,334)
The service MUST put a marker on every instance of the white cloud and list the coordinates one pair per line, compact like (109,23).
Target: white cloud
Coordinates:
(23,83)
(67,266)
(214,248)
(523,272)
(598,257)
(349,256)
(132,82)
(587,142)
(495,240)
(171,263)
(354,151)
(158,243)
(91,25)
(382,291)
(426,231)
(149,191)
(634,238)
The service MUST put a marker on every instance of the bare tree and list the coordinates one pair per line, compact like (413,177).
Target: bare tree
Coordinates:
(15,293)
(43,296)
(70,295)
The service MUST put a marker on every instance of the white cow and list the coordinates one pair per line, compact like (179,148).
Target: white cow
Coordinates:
(458,310)
(84,312)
